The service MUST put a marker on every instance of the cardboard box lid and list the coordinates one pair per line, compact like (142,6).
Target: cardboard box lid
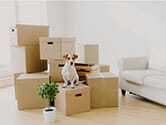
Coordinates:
(39,75)
(68,88)
(30,26)
(104,65)
(100,75)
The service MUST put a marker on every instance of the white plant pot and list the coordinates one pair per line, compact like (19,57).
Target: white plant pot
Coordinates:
(49,114)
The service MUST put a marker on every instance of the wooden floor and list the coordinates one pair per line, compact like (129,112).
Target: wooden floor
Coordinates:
(133,111)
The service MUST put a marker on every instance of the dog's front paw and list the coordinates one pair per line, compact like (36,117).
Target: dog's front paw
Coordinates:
(64,85)
(77,83)
(72,86)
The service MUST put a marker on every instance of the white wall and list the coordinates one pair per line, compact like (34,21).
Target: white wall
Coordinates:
(56,17)
(7,19)
(31,12)
(120,28)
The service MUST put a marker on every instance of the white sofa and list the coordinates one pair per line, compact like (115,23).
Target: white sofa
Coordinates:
(145,76)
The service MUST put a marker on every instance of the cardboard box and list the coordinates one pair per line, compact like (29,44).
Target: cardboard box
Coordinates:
(104,68)
(55,48)
(88,53)
(56,70)
(23,35)
(72,101)
(26,85)
(26,59)
(104,89)
(91,53)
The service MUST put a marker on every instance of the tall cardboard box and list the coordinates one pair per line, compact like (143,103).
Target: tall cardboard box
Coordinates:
(104,68)
(56,70)
(71,101)
(23,35)
(91,53)
(104,89)
(26,59)
(26,85)
(55,48)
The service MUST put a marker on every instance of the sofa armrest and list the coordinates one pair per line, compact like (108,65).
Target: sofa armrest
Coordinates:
(133,63)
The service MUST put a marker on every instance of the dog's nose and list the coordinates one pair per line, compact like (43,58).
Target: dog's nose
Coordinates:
(71,63)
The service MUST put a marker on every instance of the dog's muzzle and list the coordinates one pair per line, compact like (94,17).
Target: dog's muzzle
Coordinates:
(71,63)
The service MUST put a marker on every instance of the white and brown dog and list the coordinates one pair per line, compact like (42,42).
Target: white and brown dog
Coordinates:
(69,72)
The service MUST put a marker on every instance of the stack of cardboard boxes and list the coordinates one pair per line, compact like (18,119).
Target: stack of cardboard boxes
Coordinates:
(26,62)
(53,49)
(25,54)
(32,48)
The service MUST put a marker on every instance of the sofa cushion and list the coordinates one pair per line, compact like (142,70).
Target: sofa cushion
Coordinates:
(138,76)
(157,81)
(157,59)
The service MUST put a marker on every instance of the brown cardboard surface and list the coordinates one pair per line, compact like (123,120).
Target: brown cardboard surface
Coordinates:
(68,45)
(26,85)
(80,51)
(104,89)
(26,59)
(72,101)
(16,75)
(23,35)
(55,48)
(50,48)
(104,68)
(91,53)
(55,70)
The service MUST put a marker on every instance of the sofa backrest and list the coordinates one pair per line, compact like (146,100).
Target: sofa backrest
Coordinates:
(157,59)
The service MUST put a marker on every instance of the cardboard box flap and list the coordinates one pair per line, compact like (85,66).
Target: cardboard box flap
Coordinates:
(34,76)
(30,26)
(68,88)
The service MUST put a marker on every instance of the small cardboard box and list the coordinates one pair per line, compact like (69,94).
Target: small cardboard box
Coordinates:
(55,48)
(104,89)
(26,59)
(91,53)
(104,68)
(26,85)
(72,101)
(56,70)
(23,35)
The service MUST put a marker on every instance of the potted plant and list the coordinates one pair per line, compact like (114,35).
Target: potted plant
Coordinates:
(49,90)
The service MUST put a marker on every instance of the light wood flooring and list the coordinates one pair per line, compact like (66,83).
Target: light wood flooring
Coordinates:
(133,110)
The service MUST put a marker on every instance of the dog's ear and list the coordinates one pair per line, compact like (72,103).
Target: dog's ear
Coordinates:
(65,56)
(75,57)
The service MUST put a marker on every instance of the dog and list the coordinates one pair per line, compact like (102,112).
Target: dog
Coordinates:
(69,72)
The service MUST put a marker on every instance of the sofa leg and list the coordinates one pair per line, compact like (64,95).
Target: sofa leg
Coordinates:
(123,92)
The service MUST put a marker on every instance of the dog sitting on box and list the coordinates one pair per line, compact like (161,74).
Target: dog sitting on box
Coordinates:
(69,72)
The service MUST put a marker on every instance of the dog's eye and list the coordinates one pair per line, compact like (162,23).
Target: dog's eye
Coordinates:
(68,58)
